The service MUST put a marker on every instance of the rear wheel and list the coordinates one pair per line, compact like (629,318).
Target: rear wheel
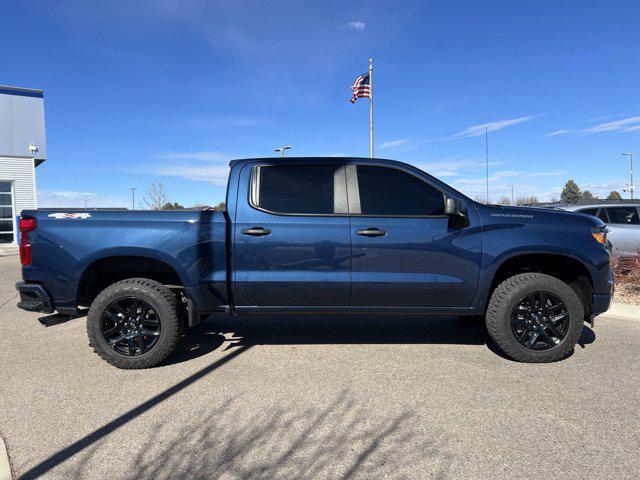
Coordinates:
(534,317)
(134,323)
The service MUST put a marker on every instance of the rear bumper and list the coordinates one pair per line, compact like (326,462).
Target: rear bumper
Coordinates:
(34,298)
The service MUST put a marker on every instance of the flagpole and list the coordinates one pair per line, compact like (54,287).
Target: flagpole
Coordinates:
(371,107)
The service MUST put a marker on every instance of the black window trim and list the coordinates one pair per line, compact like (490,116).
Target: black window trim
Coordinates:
(354,192)
(340,201)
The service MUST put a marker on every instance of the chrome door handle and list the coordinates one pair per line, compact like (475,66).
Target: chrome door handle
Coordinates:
(256,231)
(371,232)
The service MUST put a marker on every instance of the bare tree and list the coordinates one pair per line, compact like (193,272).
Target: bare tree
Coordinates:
(155,198)
(481,199)
(531,200)
(504,200)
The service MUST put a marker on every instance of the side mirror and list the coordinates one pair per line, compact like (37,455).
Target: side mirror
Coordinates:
(454,207)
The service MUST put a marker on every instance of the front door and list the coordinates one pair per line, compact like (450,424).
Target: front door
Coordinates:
(405,250)
(291,235)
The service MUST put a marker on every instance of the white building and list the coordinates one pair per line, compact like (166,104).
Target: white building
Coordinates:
(22,148)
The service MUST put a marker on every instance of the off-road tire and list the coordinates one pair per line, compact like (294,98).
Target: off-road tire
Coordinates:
(505,297)
(164,303)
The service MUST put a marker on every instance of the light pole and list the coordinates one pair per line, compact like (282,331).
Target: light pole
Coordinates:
(133,198)
(511,193)
(283,149)
(631,187)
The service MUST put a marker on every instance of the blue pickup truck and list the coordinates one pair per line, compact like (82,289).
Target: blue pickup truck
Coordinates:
(319,236)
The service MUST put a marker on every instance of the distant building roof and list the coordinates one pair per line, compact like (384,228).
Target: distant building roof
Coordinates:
(22,92)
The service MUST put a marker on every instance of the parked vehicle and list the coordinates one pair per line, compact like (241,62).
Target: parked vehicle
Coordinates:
(319,236)
(622,219)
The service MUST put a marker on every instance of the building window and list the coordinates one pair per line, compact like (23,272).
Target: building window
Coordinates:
(6,213)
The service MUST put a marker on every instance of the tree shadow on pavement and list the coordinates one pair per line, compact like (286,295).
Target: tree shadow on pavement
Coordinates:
(338,441)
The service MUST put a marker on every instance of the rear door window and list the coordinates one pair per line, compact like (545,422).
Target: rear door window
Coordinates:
(295,189)
(623,215)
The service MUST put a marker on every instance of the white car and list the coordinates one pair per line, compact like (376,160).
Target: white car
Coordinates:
(622,219)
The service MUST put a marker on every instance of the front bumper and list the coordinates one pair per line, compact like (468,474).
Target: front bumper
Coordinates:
(601,303)
(34,298)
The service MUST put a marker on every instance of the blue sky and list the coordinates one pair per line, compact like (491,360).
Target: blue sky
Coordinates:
(171,90)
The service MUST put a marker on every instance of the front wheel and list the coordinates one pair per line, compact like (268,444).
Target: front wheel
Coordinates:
(134,323)
(533,317)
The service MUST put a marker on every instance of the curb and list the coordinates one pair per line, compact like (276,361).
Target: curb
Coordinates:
(624,310)
(5,466)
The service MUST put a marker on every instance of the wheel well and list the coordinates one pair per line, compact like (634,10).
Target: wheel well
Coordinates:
(104,272)
(567,269)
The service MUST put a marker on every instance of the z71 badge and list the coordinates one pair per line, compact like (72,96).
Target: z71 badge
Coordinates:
(62,215)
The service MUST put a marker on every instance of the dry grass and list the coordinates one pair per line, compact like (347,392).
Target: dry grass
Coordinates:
(626,271)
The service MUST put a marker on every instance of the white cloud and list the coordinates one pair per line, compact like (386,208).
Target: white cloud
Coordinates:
(213,167)
(613,126)
(206,155)
(453,167)
(212,174)
(355,25)
(478,130)
(557,132)
(635,128)
(393,143)
(73,199)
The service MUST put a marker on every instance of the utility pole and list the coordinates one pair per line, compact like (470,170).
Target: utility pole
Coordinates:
(631,187)
(133,198)
(486,155)
(371,107)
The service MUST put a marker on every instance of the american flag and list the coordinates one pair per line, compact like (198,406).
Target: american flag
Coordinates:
(361,87)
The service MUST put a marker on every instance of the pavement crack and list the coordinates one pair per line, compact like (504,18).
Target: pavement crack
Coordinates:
(5,303)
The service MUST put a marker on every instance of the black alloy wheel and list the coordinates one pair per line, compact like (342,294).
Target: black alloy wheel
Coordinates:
(539,321)
(130,326)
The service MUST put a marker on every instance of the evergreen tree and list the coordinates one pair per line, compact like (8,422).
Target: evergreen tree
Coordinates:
(587,195)
(570,192)
(613,195)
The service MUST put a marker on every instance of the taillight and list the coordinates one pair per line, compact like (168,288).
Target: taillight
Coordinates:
(26,225)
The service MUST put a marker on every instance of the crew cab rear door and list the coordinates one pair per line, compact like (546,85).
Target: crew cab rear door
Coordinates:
(405,250)
(291,235)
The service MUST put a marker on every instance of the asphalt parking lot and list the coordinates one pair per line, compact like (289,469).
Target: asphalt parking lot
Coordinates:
(383,397)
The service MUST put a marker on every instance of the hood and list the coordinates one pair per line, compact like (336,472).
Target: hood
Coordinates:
(538,215)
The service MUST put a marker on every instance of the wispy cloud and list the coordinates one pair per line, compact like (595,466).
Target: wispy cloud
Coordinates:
(505,174)
(393,143)
(72,199)
(213,174)
(478,130)
(557,132)
(206,156)
(453,167)
(616,125)
(213,166)
(355,25)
